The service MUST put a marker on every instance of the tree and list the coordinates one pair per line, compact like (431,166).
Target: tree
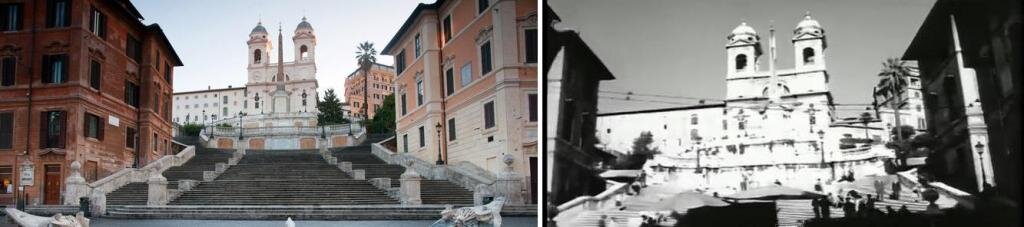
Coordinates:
(641,152)
(330,109)
(384,119)
(866,118)
(893,80)
(901,147)
(366,57)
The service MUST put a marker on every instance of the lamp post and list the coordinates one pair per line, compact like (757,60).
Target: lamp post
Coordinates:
(696,147)
(981,159)
(240,115)
(257,97)
(204,124)
(821,145)
(438,127)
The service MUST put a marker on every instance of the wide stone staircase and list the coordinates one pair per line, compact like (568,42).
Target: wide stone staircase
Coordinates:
(204,160)
(431,191)
(286,177)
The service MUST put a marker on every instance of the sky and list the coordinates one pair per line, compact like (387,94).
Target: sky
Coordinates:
(677,48)
(210,36)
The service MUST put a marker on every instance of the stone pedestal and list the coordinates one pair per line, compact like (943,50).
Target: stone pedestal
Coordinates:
(241,145)
(359,174)
(509,184)
(209,175)
(345,167)
(98,202)
(220,167)
(76,186)
(410,188)
(480,192)
(187,185)
(157,190)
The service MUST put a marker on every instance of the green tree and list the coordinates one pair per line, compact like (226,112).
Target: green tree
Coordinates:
(384,117)
(641,152)
(366,57)
(330,109)
(893,80)
(866,118)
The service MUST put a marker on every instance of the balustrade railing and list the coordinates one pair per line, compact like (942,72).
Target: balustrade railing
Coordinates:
(328,130)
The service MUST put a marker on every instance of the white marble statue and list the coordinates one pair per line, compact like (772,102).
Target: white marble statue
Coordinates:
(472,216)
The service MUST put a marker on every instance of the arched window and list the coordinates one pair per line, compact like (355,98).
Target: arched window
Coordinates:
(257,56)
(808,56)
(303,52)
(693,119)
(741,62)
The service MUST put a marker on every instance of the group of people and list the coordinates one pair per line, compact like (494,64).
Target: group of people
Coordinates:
(853,205)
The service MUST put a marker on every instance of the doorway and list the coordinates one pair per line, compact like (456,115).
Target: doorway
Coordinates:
(51,186)
(533,179)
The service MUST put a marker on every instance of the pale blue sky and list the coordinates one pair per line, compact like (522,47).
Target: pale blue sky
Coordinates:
(210,36)
(678,47)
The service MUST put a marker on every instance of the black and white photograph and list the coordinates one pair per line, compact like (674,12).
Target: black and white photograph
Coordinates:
(782,113)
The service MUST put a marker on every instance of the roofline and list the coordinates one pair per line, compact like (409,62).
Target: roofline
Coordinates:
(207,90)
(127,4)
(167,43)
(375,64)
(663,109)
(408,23)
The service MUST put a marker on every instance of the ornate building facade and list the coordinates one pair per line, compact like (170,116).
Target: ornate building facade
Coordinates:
(381,77)
(773,125)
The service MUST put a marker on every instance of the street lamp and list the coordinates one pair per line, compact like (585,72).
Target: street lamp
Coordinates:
(258,103)
(981,159)
(696,147)
(821,145)
(438,127)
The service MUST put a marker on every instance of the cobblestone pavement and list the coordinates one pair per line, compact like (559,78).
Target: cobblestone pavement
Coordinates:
(507,221)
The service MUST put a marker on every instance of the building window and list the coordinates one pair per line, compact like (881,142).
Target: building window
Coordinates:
(6,130)
(741,62)
(446,27)
(55,69)
(7,69)
(303,52)
(742,125)
(225,99)
(133,48)
(58,13)
(224,111)
(423,136)
(725,125)
(530,36)
(403,104)
(257,56)
(419,92)
(449,85)
(694,135)
(418,45)
(131,94)
(400,62)
(167,72)
(98,23)
(466,74)
(6,180)
(808,56)
(489,115)
(920,123)
(482,5)
(485,58)
(531,102)
(405,143)
(95,73)
(53,129)
(693,119)
(10,17)
(451,129)
(93,126)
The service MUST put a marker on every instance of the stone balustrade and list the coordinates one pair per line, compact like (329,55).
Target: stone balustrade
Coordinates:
(605,199)
(97,190)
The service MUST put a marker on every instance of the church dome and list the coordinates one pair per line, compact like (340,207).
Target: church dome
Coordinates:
(258,29)
(743,32)
(304,25)
(808,25)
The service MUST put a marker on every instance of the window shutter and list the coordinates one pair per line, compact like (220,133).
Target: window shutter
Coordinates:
(63,129)
(47,68)
(64,68)
(42,129)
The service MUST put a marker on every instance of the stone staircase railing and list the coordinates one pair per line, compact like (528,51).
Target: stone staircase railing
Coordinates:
(909,178)
(98,190)
(605,199)
(481,182)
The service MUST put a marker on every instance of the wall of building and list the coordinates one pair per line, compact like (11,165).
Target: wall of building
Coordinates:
(381,78)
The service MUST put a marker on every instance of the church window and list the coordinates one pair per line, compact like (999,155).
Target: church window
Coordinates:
(257,56)
(725,124)
(741,62)
(693,119)
(694,135)
(303,52)
(742,125)
(808,56)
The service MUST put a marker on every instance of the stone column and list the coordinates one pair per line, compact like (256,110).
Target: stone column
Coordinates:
(157,190)
(410,188)
(509,183)
(76,187)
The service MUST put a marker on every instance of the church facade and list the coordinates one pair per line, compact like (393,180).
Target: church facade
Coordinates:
(773,125)
(273,87)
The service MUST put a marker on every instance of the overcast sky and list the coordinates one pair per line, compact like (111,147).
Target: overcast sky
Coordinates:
(210,36)
(677,48)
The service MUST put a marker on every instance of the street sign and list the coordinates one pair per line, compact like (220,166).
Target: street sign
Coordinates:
(27,174)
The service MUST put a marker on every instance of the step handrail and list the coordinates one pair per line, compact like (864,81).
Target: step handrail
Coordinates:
(130,175)
(464,174)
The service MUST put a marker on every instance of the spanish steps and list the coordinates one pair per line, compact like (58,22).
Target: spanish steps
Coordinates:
(204,160)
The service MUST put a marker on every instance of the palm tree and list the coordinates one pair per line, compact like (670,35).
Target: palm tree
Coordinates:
(893,79)
(366,57)
(866,118)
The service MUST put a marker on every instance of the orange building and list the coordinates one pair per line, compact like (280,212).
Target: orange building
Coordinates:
(467,73)
(82,80)
(381,77)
